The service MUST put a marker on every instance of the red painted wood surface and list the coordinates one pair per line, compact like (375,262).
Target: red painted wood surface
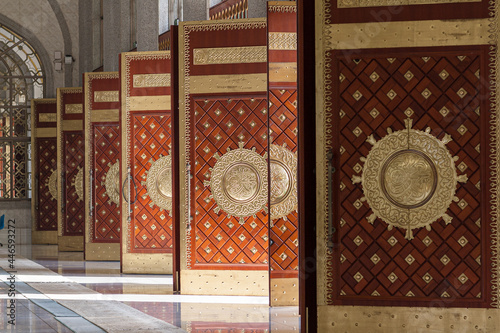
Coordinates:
(444,72)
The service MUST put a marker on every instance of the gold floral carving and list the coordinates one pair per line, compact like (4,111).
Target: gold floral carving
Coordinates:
(229,55)
(159,183)
(112,182)
(239,183)
(78,184)
(106,96)
(151,80)
(409,179)
(73,108)
(283,189)
(47,117)
(283,8)
(282,41)
(51,183)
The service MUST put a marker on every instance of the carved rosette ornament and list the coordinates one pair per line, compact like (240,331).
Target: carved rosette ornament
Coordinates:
(51,183)
(283,190)
(78,184)
(112,183)
(409,179)
(238,183)
(159,183)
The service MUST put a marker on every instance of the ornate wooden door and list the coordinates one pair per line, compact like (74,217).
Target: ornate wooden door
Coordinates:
(146,155)
(102,166)
(408,169)
(282,59)
(70,147)
(44,171)
(223,158)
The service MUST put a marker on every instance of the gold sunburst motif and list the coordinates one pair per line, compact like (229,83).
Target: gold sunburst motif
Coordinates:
(238,183)
(409,179)
(112,183)
(78,184)
(51,183)
(283,189)
(159,183)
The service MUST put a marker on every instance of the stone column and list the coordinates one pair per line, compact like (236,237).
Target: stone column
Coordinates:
(96,34)
(111,34)
(195,10)
(257,8)
(163,16)
(85,38)
(147,25)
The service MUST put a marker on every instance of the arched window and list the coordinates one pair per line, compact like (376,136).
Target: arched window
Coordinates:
(21,79)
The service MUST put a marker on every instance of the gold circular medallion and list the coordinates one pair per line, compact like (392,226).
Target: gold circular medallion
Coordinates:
(78,184)
(112,183)
(159,183)
(239,182)
(51,183)
(283,191)
(409,179)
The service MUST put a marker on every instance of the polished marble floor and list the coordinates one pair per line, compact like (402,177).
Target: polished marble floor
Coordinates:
(152,295)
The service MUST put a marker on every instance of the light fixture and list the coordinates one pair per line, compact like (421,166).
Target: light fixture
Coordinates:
(58,66)
(68,59)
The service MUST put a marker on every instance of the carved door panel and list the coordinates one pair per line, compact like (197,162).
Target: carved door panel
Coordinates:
(282,58)
(223,157)
(102,164)
(44,174)
(70,147)
(147,143)
(412,209)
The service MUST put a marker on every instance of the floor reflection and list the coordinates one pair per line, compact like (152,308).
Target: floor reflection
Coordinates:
(153,295)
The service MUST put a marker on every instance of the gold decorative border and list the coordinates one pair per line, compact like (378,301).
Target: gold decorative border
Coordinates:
(106,96)
(47,117)
(60,146)
(185,30)
(282,6)
(126,84)
(73,108)
(151,80)
(282,41)
(89,152)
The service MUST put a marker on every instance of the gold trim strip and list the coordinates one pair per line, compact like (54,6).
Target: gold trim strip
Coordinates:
(206,84)
(46,132)
(282,6)
(47,117)
(406,34)
(236,283)
(283,72)
(106,96)
(151,80)
(149,103)
(105,115)
(282,41)
(147,263)
(73,108)
(380,3)
(229,55)
(72,125)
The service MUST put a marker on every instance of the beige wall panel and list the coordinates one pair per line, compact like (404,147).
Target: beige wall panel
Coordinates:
(362,319)
(407,34)
(102,251)
(149,103)
(210,84)
(211,282)
(147,263)
(70,243)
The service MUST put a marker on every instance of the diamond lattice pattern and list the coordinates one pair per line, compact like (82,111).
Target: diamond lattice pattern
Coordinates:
(283,130)
(437,92)
(152,226)
(222,124)
(106,141)
(47,162)
(74,147)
